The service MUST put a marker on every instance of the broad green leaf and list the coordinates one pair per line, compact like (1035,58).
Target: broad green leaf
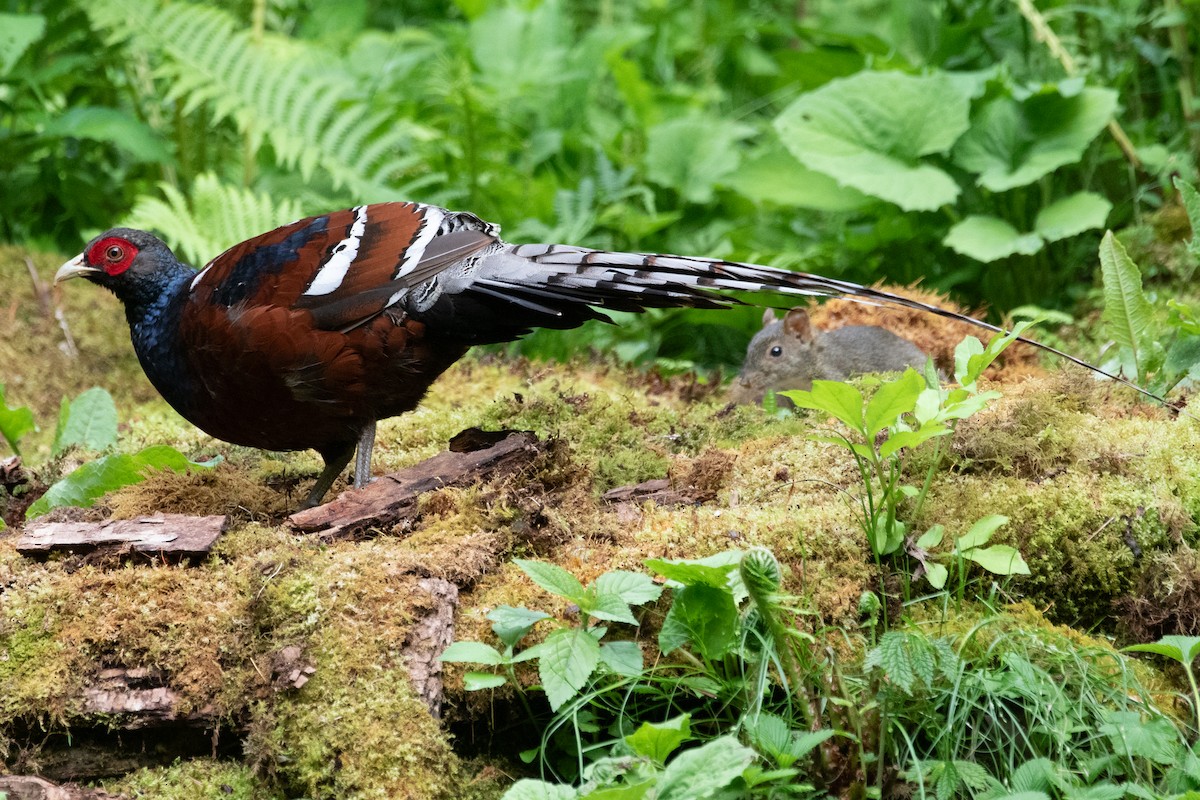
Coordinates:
(1126,310)
(623,658)
(692,154)
(479,681)
(1191,204)
(692,573)
(634,588)
(901,439)
(568,658)
(1014,142)
(89,421)
(111,125)
(553,578)
(633,791)
(894,397)
(704,771)
(842,400)
(511,623)
(14,423)
(472,653)
(999,559)
(1183,356)
(607,607)
(17,33)
(657,740)
(868,132)
(530,789)
(804,742)
(988,239)
(936,574)
(1155,738)
(932,537)
(704,617)
(777,177)
(772,736)
(1182,649)
(980,532)
(97,478)
(1072,215)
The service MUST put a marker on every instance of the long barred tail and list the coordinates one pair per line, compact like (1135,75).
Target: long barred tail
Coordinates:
(559,285)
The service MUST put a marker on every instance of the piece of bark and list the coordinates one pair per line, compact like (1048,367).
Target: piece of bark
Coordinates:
(139,698)
(429,636)
(659,490)
(393,498)
(176,535)
(27,787)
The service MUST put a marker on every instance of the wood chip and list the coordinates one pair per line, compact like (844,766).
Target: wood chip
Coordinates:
(168,534)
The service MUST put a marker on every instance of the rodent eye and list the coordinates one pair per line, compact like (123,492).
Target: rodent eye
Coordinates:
(776,351)
(114,253)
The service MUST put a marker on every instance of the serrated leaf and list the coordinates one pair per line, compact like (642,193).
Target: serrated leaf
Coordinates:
(1155,739)
(980,532)
(999,559)
(869,131)
(1191,204)
(14,423)
(511,623)
(703,771)
(97,478)
(634,588)
(608,607)
(1182,649)
(623,658)
(657,740)
(893,398)
(704,617)
(1126,310)
(843,401)
(568,658)
(1072,215)
(553,578)
(985,238)
(472,653)
(479,681)
(90,422)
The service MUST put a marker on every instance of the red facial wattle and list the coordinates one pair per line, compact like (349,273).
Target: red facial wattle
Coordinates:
(112,254)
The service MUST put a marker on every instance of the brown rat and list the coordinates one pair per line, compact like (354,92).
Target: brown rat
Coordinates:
(789,353)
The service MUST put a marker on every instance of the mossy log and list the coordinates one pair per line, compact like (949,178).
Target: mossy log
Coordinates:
(26,787)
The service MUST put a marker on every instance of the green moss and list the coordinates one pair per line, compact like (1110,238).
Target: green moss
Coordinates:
(197,779)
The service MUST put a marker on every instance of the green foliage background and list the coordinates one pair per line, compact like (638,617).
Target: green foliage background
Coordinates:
(980,145)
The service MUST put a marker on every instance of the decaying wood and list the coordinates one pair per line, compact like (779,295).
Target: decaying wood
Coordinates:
(27,787)
(430,635)
(176,535)
(393,498)
(138,698)
(659,490)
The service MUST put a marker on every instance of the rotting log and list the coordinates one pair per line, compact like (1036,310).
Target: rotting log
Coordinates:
(428,638)
(659,490)
(171,535)
(392,498)
(139,698)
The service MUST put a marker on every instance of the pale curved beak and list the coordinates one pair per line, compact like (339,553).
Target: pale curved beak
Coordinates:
(74,268)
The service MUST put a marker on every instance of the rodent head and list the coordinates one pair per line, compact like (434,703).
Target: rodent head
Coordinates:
(779,357)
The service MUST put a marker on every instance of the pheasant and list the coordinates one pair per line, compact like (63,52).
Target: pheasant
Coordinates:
(305,336)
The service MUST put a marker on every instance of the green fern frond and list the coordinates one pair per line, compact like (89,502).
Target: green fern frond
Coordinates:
(292,96)
(219,216)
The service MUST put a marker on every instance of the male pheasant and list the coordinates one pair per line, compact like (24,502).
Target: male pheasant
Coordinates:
(304,336)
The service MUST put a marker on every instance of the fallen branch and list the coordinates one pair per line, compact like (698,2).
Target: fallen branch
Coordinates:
(392,499)
(27,787)
(175,535)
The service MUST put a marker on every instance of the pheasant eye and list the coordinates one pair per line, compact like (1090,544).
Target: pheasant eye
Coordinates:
(114,253)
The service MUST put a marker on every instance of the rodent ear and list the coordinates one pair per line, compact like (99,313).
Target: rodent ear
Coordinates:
(796,324)
(768,316)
